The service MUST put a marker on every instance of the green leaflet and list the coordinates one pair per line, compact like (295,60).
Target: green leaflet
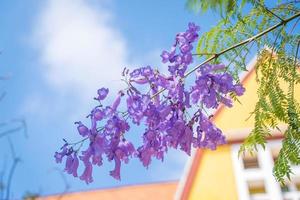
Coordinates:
(276,105)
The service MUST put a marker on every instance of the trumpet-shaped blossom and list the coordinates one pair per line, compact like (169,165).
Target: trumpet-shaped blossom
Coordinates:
(172,110)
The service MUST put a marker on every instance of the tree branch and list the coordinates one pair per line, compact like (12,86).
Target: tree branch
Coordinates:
(250,39)
(268,10)
(16,160)
(2,95)
(10,176)
(293,78)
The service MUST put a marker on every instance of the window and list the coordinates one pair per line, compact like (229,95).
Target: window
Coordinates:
(256,187)
(254,178)
(250,161)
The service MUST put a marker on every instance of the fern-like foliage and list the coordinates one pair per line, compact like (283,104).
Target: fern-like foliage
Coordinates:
(277,66)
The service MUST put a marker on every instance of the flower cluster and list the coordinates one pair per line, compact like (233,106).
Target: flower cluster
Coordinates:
(179,62)
(173,113)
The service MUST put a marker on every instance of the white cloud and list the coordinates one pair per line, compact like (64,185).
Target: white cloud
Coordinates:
(80,50)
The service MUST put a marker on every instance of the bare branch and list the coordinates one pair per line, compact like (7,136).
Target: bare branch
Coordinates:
(4,78)
(10,176)
(2,95)
(66,183)
(10,131)
(22,126)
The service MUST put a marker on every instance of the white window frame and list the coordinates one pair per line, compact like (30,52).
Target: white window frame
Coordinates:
(263,173)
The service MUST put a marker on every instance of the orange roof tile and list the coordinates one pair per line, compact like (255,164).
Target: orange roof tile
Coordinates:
(156,191)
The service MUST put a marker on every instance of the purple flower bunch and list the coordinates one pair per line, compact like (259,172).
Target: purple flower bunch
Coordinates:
(173,113)
(183,42)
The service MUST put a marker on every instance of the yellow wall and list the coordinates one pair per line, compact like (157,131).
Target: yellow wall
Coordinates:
(215,179)
(237,117)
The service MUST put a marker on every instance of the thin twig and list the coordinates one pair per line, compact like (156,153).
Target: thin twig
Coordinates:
(237,45)
(66,183)
(2,177)
(23,124)
(203,53)
(293,78)
(2,95)
(289,2)
(10,176)
(228,65)
(268,10)
(294,25)
(273,48)
(23,127)
(10,131)
(16,160)
(4,78)
(287,8)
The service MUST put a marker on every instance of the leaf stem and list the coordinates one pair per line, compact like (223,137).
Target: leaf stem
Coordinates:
(268,10)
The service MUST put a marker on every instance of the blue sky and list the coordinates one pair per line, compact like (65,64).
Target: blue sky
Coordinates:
(57,53)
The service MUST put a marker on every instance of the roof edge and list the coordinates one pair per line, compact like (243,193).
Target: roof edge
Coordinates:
(184,186)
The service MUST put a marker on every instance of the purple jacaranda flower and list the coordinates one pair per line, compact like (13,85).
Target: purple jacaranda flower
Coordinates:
(72,164)
(218,67)
(134,102)
(82,129)
(165,111)
(180,38)
(193,27)
(140,80)
(239,89)
(98,114)
(210,100)
(117,101)
(187,58)
(226,101)
(212,135)
(69,162)
(98,148)
(135,73)
(186,140)
(183,42)
(171,109)
(187,99)
(59,155)
(86,155)
(146,71)
(203,84)
(205,69)
(116,172)
(87,174)
(102,93)
(179,60)
(195,96)
(182,70)
(165,56)
(185,48)
(127,150)
(145,155)
(172,69)
(175,132)
(163,81)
